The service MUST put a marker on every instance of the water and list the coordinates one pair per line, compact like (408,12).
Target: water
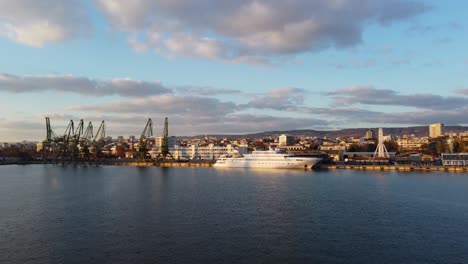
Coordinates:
(55,214)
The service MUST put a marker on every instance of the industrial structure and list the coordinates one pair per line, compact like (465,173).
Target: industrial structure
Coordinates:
(143,142)
(381,151)
(165,154)
(80,144)
(73,144)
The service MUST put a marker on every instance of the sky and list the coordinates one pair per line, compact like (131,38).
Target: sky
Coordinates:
(230,67)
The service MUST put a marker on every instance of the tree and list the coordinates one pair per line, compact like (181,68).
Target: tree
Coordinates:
(439,146)
(370,147)
(392,146)
(356,148)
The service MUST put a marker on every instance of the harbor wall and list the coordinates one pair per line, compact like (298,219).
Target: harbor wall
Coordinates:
(395,167)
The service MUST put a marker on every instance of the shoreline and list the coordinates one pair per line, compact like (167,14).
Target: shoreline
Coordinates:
(406,168)
(208,164)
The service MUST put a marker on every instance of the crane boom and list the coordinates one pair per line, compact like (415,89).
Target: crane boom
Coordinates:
(101,133)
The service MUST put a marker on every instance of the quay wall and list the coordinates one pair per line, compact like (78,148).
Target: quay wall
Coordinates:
(396,167)
(207,164)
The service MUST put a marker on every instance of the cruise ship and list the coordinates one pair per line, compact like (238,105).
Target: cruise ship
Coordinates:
(272,159)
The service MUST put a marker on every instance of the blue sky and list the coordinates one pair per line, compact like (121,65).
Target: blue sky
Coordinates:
(231,66)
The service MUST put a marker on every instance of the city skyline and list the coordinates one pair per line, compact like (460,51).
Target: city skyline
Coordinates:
(241,67)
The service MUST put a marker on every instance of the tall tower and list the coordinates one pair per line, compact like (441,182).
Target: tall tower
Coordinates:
(381,150)
(436,130)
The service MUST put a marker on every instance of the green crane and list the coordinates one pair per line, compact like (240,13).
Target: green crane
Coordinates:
(50,143)
(99,141)
(64,141)
(85,141)
(74,146)
(142,147)
(163,155)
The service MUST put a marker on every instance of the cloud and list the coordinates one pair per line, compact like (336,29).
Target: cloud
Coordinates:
(205,91)
(286,98)
(355,64)
(34,23)
(191,115)
(368,95)
(14,130)
(462,91)
(252,30)
(249,123)
(188,125)
(419,29)
(354,117)
(80,85)
(197,107)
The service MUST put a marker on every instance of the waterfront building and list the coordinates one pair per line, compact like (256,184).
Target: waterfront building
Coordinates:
(455,159)
(195,152)
(411,143)
(365,157)
(285,140)
(171,141)
(414,158)
(337,146)
(436,130)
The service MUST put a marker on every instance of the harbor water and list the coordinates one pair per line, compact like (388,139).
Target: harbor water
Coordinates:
(114,214)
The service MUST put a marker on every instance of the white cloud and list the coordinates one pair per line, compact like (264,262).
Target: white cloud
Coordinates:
(285,98)
(34,23)
(236,30)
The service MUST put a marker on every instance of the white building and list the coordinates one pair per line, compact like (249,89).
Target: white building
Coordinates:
(171,141)
(285,140)
(194,152)
(411,143)
(436,130)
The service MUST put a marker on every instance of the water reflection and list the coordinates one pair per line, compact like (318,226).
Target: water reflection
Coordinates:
(82,214)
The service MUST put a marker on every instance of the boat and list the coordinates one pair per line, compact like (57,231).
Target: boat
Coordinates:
(271,159)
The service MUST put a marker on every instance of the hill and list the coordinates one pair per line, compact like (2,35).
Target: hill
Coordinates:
(419,131)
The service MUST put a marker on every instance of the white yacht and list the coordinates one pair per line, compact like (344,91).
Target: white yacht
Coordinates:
(272,159)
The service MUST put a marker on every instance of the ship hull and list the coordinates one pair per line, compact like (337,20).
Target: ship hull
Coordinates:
(286,163)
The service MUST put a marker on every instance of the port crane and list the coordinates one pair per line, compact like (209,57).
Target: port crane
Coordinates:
(99,141)
(50,143)
(142,153)
(85,141)
(164,154)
